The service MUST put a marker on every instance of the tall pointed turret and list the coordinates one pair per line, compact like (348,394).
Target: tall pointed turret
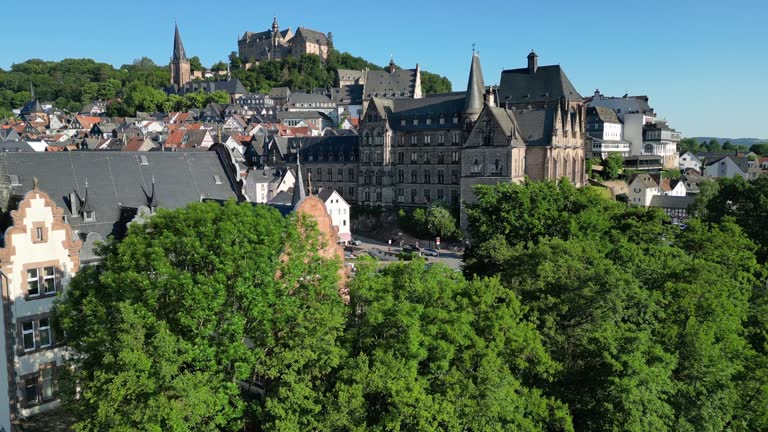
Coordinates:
(181,70)
(298,189)
(178,47)
(474,100)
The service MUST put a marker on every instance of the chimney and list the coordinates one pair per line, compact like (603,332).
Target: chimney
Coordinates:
(490,98)
(533,62)
(74,202)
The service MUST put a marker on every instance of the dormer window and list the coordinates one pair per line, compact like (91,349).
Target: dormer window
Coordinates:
(89,215)
(415,122)
(429,121)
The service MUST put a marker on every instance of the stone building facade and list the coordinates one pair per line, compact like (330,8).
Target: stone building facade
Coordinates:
(276,44)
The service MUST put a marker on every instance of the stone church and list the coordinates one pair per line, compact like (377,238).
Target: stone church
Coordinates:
(276,44)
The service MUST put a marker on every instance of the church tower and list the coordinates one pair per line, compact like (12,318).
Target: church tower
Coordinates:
(181,71)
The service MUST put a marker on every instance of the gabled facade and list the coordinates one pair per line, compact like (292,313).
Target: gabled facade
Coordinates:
(38,257)
(688,161)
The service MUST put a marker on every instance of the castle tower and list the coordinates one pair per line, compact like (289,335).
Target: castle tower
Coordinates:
(533,62)
(475,99)
(181,71)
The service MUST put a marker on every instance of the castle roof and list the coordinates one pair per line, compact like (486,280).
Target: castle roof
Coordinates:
(397,84)
(312,36)
(474,102)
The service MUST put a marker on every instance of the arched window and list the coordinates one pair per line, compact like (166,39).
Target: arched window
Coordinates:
(366,195)
(648,149)
(497,167)
(378,195)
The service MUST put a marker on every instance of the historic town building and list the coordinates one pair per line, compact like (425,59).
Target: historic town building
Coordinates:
(276,44)
(181,70)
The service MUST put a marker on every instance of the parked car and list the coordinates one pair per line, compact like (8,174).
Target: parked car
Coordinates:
(349,255)
(412,249)
(429,252)
(355,242)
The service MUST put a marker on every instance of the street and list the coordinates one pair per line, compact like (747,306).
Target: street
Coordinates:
(451,259)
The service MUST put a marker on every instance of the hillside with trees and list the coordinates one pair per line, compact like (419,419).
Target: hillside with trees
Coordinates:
(71,83)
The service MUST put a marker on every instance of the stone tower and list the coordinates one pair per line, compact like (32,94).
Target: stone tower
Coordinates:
(181,71)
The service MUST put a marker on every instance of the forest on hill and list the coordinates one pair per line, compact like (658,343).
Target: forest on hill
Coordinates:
(71,83)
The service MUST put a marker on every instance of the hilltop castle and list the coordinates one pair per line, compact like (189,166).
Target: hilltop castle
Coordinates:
(276,44)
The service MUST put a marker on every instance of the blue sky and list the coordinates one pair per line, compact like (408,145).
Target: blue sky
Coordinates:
(703,63)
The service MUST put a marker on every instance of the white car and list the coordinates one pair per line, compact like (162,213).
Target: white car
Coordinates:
(429,252)
(355,242)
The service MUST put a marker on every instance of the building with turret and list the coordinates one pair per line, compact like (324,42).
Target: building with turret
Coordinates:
(181,71)
(276,44)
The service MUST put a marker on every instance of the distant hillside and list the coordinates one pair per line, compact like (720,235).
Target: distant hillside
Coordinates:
(748,142)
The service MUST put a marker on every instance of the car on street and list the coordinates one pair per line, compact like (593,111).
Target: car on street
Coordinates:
(412,249)
(355,242)
(429,252)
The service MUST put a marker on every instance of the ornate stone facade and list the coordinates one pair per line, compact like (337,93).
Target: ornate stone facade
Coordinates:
(275,44)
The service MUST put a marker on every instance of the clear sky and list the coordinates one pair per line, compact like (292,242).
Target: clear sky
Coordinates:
(703,63)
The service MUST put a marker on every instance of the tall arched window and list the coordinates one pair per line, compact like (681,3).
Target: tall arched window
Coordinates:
(497,167)
(476,167)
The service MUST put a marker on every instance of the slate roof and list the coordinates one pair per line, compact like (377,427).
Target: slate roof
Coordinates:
(233,86)
(15,146)
(548,83)
(381,83)
(637,104)
(312,36)
(474,101)
(178,48)
(432,106)
(328,146)
(118,184)
(302,115)
(605,115)
(349,94)
(308,98)
(536,125)
(672,202)
(31,107)
(741,162)
(350,74)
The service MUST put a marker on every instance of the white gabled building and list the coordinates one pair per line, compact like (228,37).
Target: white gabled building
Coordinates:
(643,187)
(339,210)
(688,161)
(262,185)
(726,167)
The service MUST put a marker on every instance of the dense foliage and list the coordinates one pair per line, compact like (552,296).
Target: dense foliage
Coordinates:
(574,312)
(655,328)
(437,220)
(167,329)
(72,83)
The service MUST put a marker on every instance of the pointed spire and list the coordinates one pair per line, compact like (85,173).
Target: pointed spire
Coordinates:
(392,66)
(473,102)
(275,26)
(298,188)
(31,92)
(178,47)
(153,201)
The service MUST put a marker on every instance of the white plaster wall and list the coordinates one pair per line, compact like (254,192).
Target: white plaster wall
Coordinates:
(338,209)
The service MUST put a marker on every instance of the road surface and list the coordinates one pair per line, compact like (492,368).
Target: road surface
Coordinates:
(450,259)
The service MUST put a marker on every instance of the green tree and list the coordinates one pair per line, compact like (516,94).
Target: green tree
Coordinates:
(612,166)
(431,351)
(760,149)
(714,145)
(234,60)
(195,64)
(180,318)
(433,83)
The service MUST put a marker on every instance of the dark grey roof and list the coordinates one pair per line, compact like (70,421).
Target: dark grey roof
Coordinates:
(119,183)
(741,162)
(546,84)
(299,193)
(349,94)
(31,107)
(309,98)
(280,92)
(474,101)
(672,202)
(178,48)
(313,36)
(398,84)
(433,106)
(605,115)
(233,86)
(627,104)
(536,125)
(301,115)
(329,147)
(15,146)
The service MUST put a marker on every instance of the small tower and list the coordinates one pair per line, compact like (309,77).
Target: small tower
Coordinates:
(392,66)
(275,26)
(298,188)
(181,71)
(533,62)
(475,98)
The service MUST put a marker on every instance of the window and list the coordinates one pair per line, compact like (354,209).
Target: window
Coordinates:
(427,139)
(414,139)
(39,234)
(400,176)
(351,191)
(441,138)
(496,167)
(427,196)
(476,167)
(413,157)
(351,174)
(440,177)
(49,280)
(427,158)
(415,122)
(89,215)
(340,174)
(440,195)
(30,391)
(330,174)
(427,177)
(455,120)
(44,331)
(455,157)
(400,158)
(442,120)
(33,282)
(402,122)
(414,192)
(414,176)
(28,335)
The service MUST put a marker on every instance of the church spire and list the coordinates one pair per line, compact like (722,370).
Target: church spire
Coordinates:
(178,47)
(473,102)
(298,188)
